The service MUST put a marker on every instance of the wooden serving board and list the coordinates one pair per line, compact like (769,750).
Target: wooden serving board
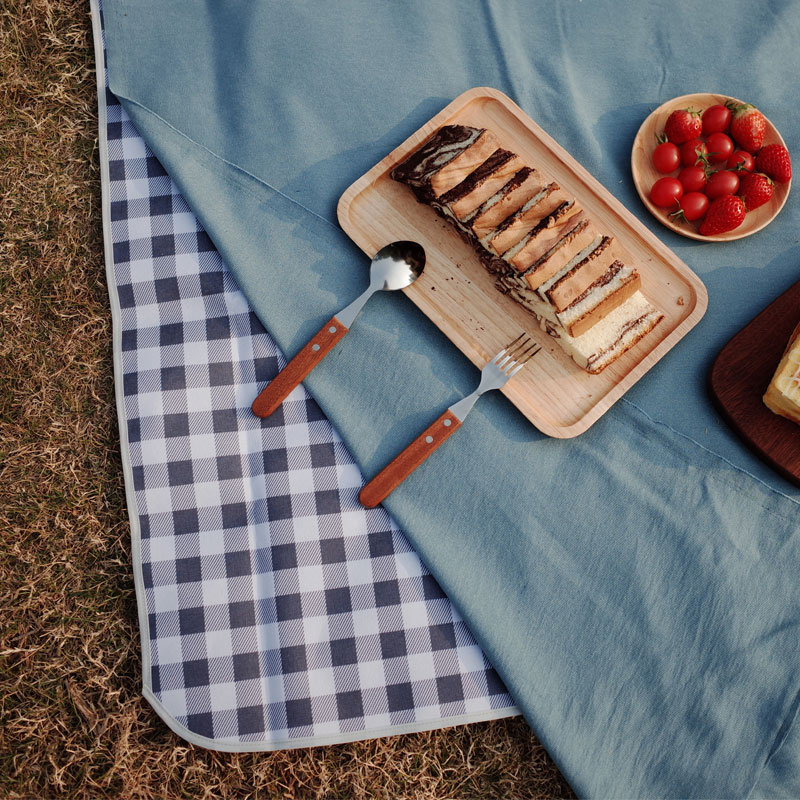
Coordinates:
(740,376)
(459,295)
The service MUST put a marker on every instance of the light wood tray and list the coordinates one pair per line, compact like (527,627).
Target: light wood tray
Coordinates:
(645,174)
(460,297)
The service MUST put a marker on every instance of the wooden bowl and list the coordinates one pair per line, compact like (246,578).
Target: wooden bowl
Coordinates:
(645,174)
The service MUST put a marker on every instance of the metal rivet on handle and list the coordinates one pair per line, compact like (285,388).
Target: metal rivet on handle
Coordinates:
(429,439)
(315,347)
(448,423)
(332,329)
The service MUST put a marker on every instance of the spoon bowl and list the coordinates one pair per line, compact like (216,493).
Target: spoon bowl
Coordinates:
(394,266)
(397,265)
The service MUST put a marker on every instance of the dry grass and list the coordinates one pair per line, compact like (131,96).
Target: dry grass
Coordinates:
(73,722)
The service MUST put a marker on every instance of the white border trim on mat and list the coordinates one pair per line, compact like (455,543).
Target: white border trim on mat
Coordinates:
(133,513)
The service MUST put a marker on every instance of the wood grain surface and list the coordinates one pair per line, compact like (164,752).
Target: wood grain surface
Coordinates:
(645,174)
(400,467)
(740,376)
(459,295)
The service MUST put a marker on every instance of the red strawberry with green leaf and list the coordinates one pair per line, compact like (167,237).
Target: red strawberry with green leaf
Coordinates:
(683,124)
(748,125)
(775,161)
(723,215)
(755,189)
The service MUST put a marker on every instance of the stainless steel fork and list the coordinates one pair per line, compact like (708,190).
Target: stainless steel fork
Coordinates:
(507,363)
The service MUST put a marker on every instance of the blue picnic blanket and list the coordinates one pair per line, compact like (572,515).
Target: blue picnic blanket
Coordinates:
(635,588)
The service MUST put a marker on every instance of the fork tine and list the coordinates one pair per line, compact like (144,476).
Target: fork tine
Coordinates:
(519,343)
(522,363)
(529,353)
(511,346)
(515,354)
(522,359)
(498,358)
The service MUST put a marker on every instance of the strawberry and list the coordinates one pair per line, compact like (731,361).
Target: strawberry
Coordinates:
(682,125)
(748,125)
(774,160)
(755,189)
(724,214)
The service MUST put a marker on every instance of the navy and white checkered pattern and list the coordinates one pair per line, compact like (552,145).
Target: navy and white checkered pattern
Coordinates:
(279,609)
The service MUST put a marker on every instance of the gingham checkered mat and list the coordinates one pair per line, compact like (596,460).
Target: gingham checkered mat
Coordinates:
(275,610)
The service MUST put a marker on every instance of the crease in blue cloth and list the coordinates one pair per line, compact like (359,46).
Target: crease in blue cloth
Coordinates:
(639,595)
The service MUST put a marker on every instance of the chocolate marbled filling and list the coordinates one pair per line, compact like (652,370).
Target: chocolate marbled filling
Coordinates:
(447,143)
(419,171)
(478,176)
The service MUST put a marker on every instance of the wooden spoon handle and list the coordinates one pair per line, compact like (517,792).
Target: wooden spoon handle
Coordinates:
(394,473)
(296,370)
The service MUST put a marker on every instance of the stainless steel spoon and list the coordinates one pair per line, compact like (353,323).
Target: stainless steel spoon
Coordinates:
(394,266)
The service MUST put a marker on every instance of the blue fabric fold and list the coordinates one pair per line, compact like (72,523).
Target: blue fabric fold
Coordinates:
(635,587)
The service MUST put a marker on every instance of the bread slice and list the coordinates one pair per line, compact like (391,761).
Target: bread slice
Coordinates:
(580,235)
(783,393)
(511,232)
(469,159)
(440,150)
(544,236)
(566,288)
(611,337)
(519,190)
(610,290)
(482,184)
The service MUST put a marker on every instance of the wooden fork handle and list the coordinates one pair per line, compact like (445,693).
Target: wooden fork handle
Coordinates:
(298,368)
(394,473)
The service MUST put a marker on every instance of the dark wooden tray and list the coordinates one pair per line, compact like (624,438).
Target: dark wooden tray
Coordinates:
(740,375)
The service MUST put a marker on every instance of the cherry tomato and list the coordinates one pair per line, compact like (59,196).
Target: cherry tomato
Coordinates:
(741,160)
(720,147)
(666,192)
(666,157)
(693,178)
(693,206)
(723,182)
(693,151)
(716,119)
